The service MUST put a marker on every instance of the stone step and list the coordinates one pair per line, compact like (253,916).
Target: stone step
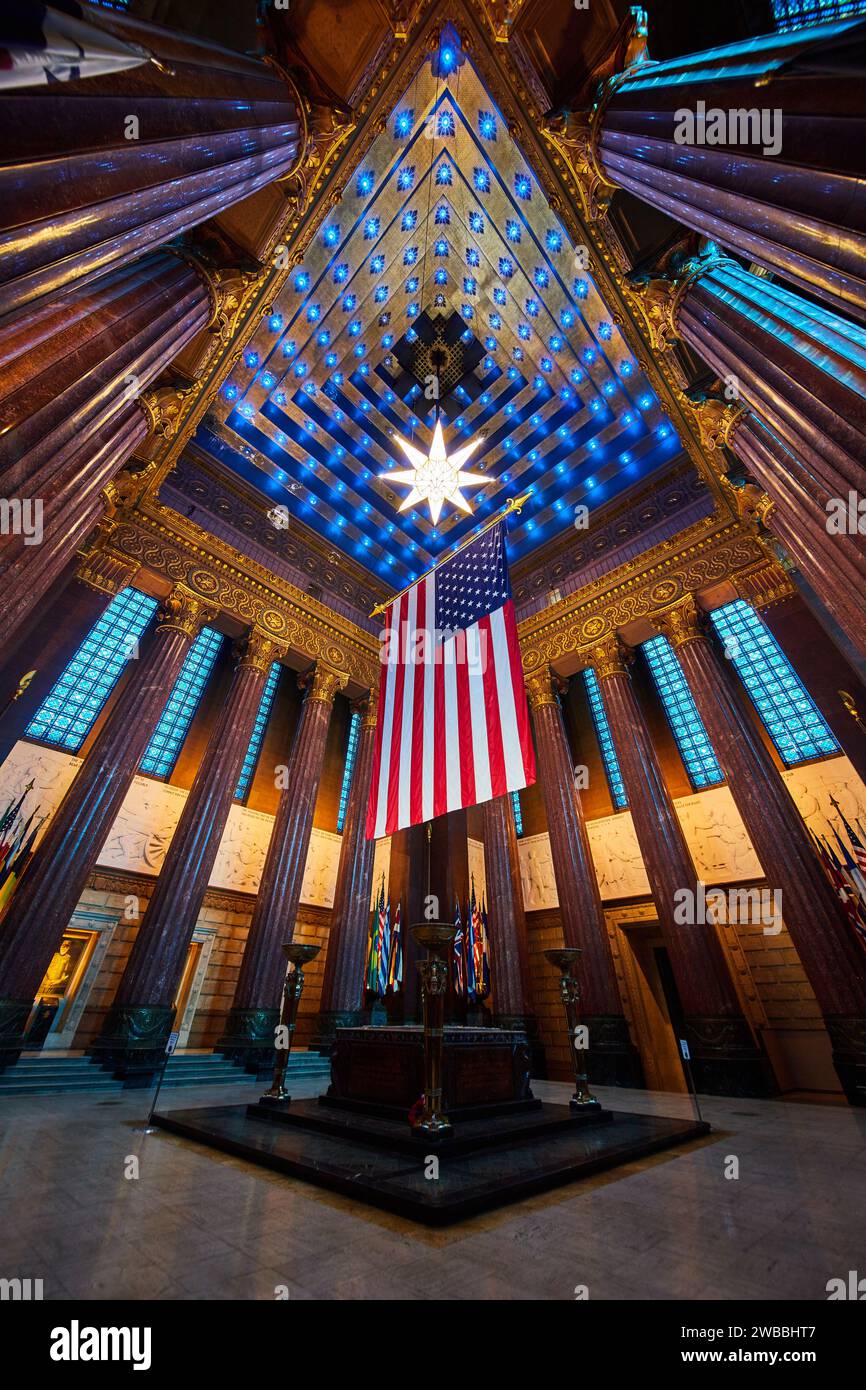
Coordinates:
(40,1076)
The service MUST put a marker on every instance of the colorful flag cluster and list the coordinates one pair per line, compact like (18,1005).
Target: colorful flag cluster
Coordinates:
(17,838)
(471,964)
(845,866)
(384,969)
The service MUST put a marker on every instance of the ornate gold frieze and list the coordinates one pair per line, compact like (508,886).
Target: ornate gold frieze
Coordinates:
(183,554)
(702,555)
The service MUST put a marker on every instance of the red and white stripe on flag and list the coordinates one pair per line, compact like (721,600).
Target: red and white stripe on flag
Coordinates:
(453,726)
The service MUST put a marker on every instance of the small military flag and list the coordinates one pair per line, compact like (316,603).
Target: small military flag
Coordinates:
(478,950)
(384,949)
(395,958)
(371,978)
(485,953)
(469,949)
(458,972)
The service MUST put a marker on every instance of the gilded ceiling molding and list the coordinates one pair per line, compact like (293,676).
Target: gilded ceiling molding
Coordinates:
(180,552)
(500,15)
(703,555)
(333,160)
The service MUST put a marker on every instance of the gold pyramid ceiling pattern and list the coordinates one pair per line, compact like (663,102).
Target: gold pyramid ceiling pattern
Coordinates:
(443,217)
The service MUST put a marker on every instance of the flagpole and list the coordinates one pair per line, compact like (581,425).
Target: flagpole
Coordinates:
(514,506)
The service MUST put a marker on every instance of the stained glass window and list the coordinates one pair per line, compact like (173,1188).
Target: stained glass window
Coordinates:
(349,766)
(605,741)
(686,724)
(258,733)
(69,712)
(165,745)
(518,814)
(787,710)
(802,14)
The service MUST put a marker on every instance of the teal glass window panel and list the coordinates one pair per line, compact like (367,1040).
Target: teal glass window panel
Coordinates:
(349,767)
(686,724)
(258,734)
(605,740)
(162,752)
(518,813)
(805,14)
(787,710)
(69,712)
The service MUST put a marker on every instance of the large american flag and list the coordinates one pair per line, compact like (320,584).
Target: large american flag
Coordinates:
(453,727)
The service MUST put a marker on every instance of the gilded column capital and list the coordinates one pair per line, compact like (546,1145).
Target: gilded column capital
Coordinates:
(259,651)
(324,683)
(541,688)
(102,570)
(368,707)
(716,419)
(657,299)
(609,658)
(184,612)
(682,623)
(754,506)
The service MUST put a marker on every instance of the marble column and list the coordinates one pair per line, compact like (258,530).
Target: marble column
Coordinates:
(73,505)
(407,884)
(142,1015)
(509,965)
(789,197)
(725,1057)
(254,1015)
(343,984)
(68,368)
(832,561)
(39,911)
(98,172)
(612,1058)
(834,961)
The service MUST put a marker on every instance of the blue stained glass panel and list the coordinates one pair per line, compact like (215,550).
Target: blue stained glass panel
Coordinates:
(161,753)
(258,734)
(686,724)
(605,740)
(349,767)
(69,712)
(787,710)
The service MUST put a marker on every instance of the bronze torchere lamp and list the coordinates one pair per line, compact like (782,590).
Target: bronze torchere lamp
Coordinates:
(566,962)
(438,938)
(298,956)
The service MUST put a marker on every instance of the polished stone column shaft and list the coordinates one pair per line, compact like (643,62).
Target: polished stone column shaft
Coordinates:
(72,506)
(612,1055)
(69,367)
(793,203)
(506,918)
(40,909)
(725,1058)
(95,173)
(254,1014)
(832,561)
(343,984)
(801,368)
(834,961)
(142,1013)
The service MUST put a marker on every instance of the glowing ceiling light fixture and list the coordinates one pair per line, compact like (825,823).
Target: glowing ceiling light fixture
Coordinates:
(437,476)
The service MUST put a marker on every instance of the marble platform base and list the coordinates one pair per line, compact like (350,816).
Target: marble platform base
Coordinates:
(487,1163)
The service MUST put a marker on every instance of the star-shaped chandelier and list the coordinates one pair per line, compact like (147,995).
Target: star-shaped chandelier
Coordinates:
(437,476)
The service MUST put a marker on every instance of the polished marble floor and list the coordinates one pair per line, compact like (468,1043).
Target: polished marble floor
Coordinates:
(195,1224)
